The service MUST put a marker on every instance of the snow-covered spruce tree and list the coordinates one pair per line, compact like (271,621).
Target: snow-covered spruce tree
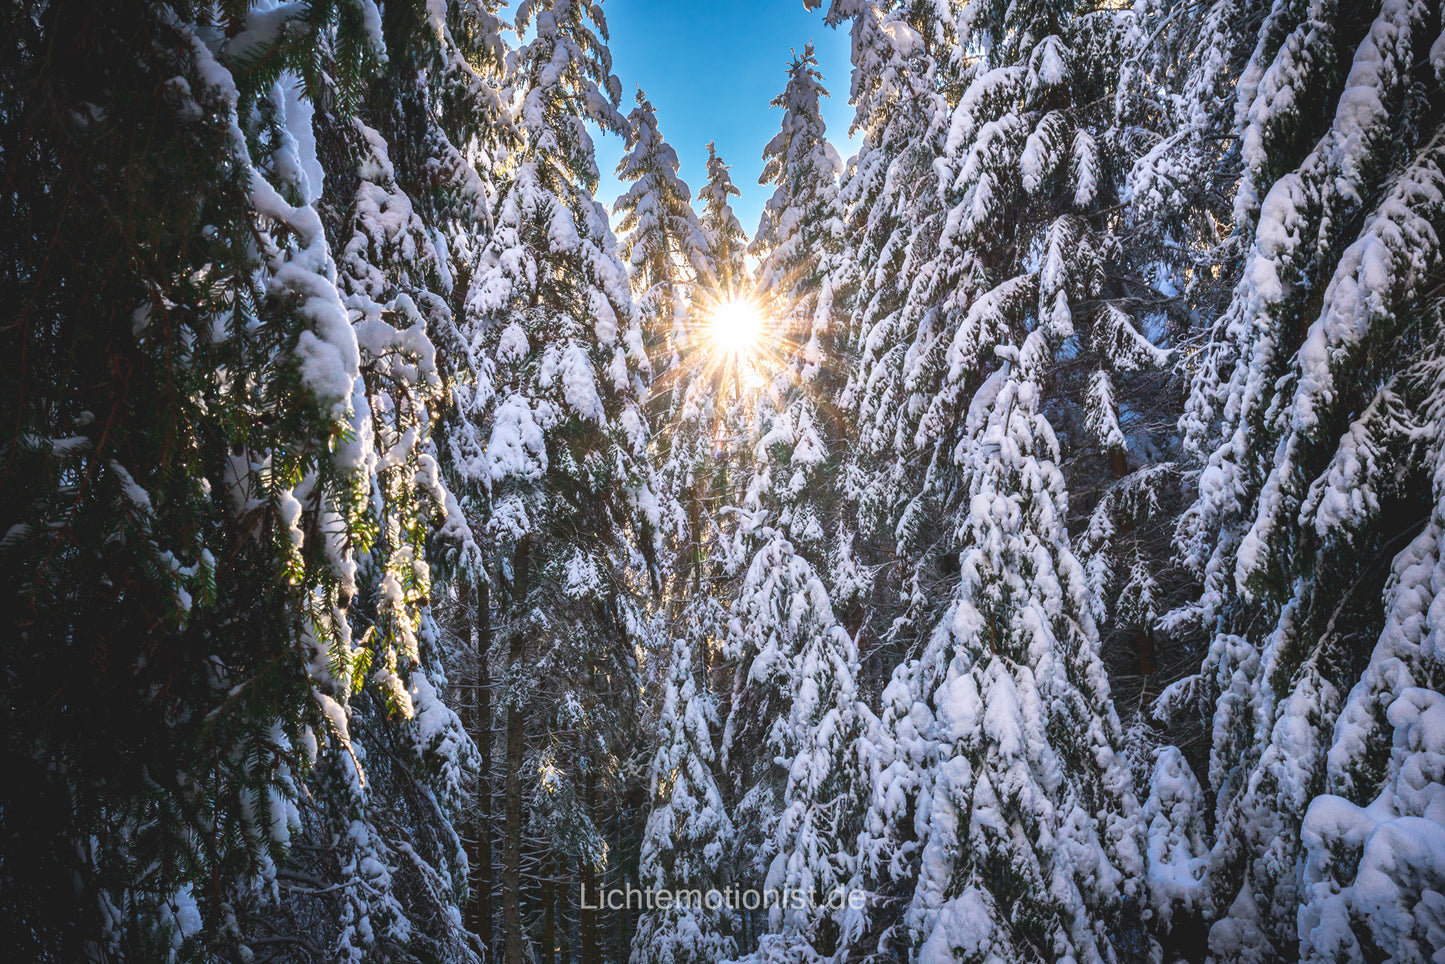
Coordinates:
(1018,239)
(1037,155)
(1022,179)
(232,534)
(689,838)
(1000,801)
(570,532)
(699,469)
(800,221)
(802,344)
(689,832)
(727,242)
(667,254)
(904,56)
(1315,425)
(661,238)
(397,272)
(1032,169)
(675,283)
(794,712)
(1177,853)
(716,417)
(445,102)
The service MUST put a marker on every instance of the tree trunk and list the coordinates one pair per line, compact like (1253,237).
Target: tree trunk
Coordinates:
(1144,641)
(622,921)
(549,915)
(694,534)
(512,845)
(481,858)
(564,923)
(591,947)
(591,950)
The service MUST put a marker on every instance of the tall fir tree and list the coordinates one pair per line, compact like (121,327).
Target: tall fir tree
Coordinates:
(1312,425)
(689,830)
(572,512)
(800,223)
(1002,813)
(458,127)
(794,712)
(236,525)
(905,58)
(727,243)
(669,261)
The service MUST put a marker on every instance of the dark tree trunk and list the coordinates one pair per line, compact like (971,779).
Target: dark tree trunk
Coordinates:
(622,921)
(564,923)
(549,916)
(512,846)
(591,947)
(481,857)
(1118,463)
(694,533)
(512,828)
(1144,641)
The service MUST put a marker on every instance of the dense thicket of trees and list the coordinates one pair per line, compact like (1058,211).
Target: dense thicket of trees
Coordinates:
(400,560)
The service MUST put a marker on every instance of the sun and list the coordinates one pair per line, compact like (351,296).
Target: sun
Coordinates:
(735,328)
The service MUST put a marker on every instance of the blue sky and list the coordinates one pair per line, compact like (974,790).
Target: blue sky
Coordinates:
(710,67)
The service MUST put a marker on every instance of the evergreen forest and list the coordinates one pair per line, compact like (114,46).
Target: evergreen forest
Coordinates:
(1025,545)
